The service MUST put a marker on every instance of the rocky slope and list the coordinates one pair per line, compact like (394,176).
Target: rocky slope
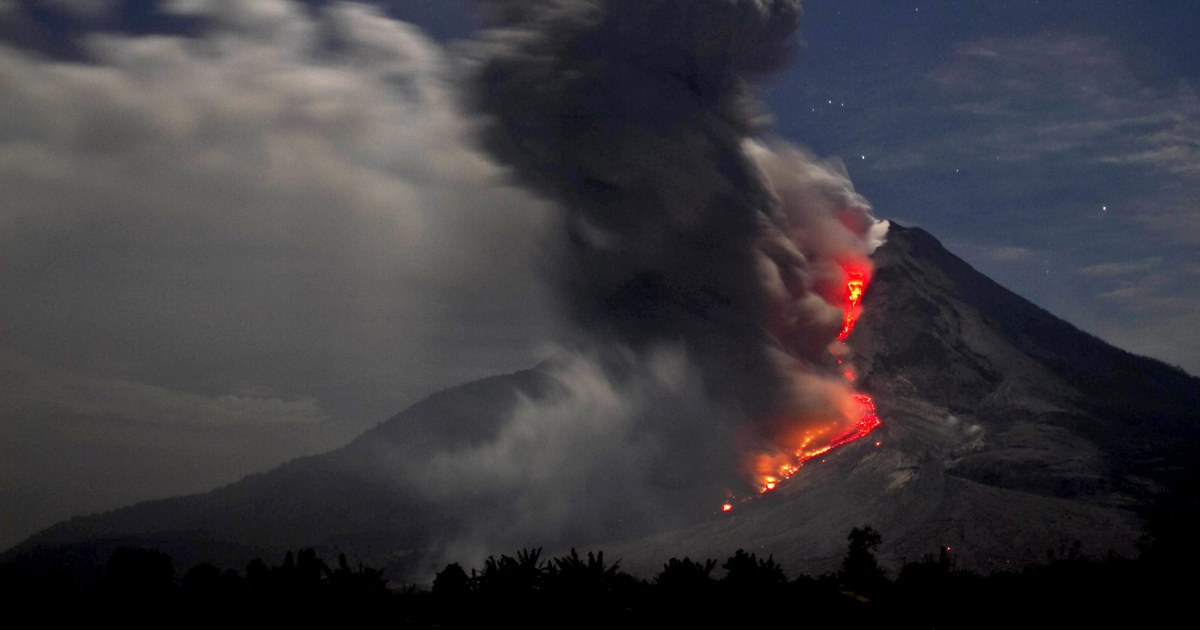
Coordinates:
(1007,434)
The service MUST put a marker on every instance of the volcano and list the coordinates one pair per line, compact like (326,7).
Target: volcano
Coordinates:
(1006,434)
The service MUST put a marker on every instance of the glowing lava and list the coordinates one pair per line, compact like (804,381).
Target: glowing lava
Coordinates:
(773,468)
(855,285)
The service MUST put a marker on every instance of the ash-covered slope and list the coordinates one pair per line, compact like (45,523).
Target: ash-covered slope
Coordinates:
(1007,432)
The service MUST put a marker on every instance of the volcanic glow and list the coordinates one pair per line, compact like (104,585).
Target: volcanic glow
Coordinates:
(772,468)
(856,283)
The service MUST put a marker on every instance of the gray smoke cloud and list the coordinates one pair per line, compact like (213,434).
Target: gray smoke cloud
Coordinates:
(295,204)
(702,267)
(268,225)
(639,119)
(598,447)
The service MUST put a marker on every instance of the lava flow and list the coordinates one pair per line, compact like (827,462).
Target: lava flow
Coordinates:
(771,469)
(855,286)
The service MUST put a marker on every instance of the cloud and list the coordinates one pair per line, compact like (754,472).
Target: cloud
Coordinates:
(1176,155)
(283,201)
(1156,306)
(280,216)
(998,253)
(1010,253)
(1063,143)
(1164,324)
(1128,293)
(1053,93)
(623,444)
(1121,269)
(30,390)
(640,119)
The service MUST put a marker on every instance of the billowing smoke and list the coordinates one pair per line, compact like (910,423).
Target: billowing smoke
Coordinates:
(314,163)
(638,117)
(595,447)
(703,267)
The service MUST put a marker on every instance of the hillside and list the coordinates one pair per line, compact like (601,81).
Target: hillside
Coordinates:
(1007,433)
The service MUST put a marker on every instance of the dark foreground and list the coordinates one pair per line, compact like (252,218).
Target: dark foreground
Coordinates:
(589,590)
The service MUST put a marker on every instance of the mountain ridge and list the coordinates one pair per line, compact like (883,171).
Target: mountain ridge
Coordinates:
(994,443)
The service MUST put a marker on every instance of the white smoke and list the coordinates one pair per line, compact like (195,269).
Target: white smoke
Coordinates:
(620,445)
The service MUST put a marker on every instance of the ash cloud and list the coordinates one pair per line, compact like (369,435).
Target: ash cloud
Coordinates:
(701,267)
(292,217)
(270,221)
(608,445)
(639,119)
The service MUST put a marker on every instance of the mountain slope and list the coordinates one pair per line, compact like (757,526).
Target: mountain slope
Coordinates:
(333,502)
(1007,432)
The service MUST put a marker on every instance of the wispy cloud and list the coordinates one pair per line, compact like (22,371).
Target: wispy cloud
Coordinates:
(1128,293)
(1121,268)
(37,390)
(1052,93)
(1010,253)
(993,252)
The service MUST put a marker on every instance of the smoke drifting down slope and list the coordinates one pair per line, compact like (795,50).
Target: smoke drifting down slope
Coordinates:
(703,266)
(639,120)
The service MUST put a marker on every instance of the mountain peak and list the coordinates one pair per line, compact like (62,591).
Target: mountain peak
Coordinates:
(916,323)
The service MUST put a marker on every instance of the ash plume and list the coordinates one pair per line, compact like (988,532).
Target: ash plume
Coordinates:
(639,119)
(701,266)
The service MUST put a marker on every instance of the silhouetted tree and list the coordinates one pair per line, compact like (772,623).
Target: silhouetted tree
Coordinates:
(746,574)
(686,575)
(452,582)
(310,569)
(138,581)
(572,577)
(573,572)
(520,575)
(361,586)
(928,570)
(207,591)
(860,570)
(258,578)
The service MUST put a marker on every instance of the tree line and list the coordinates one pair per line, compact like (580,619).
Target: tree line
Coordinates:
(531,590)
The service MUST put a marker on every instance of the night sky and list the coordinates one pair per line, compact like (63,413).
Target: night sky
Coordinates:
(235,232)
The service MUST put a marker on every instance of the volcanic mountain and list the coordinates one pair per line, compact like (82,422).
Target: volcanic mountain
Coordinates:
(1007,433)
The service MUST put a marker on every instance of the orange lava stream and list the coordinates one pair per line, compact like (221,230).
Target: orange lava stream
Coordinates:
(773,469)
(854,291)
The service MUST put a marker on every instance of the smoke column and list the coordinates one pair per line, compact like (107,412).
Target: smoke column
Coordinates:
(639,119)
